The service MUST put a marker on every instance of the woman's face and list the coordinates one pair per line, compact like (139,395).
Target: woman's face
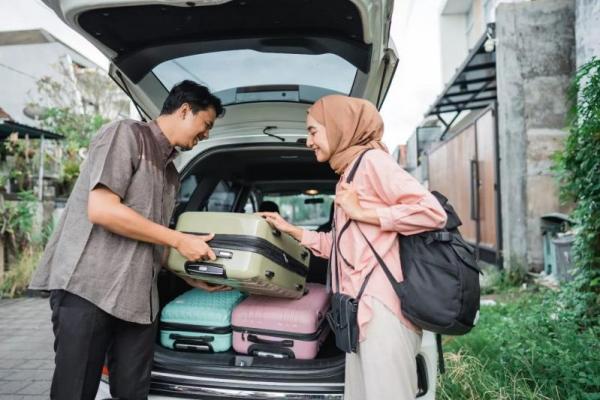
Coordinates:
(317,139)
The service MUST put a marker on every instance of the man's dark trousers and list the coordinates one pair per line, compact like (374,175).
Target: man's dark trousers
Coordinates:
(84,336)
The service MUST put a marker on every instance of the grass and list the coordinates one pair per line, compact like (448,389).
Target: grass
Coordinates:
(16,279)
(532,345)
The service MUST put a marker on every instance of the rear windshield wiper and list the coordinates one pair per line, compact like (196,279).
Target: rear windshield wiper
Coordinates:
(266,132)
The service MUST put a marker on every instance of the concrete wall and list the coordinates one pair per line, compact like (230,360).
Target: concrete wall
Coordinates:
(535,63)
(587,30)
(24,65)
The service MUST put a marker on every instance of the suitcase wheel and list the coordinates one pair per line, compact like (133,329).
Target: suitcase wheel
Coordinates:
(299,287)
(269,274)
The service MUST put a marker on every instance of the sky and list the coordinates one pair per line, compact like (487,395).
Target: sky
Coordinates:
(414,31)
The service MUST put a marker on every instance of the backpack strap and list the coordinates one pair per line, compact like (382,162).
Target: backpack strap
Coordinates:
(440,351)
(352,172)
(337,238)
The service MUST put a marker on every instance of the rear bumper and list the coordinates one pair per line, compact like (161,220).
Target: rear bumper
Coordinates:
(173,386)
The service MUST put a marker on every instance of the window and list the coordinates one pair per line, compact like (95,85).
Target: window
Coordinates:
(225,71)
(222,198)
(250,206)
(306,211)
(188,186)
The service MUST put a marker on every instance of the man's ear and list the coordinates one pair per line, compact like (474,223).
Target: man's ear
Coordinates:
(183,110)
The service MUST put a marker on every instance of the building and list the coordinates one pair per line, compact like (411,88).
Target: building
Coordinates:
(29,56)
(506,67)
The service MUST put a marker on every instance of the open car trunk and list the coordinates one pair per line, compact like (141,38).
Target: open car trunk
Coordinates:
(253,171)
(244,50)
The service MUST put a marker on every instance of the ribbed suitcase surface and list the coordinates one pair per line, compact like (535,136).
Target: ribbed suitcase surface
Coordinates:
(274,327)
(252,256)
(199,321)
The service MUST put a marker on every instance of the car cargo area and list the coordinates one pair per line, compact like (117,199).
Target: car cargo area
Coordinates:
(238,180)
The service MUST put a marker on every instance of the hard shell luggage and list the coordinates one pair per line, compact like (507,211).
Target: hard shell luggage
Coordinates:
(282,328)
(199,321)
(252,256)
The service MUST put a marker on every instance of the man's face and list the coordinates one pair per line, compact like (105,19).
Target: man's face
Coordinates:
(193,128)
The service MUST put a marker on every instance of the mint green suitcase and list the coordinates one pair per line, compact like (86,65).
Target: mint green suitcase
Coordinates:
(199,321)
(252,256)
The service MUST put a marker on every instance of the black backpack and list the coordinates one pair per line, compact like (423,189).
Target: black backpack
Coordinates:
(440,291)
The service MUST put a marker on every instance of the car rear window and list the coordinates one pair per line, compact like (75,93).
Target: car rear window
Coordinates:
(310,212)
(241,76)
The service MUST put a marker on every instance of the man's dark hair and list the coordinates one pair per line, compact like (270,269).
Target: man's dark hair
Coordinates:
(196,95)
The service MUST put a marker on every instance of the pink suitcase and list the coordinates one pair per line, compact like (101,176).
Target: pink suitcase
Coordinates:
(282,328)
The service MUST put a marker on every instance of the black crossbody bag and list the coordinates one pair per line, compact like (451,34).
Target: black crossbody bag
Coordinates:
(344,309)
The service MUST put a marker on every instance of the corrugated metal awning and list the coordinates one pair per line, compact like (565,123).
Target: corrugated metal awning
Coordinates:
(473,86)
(9,127)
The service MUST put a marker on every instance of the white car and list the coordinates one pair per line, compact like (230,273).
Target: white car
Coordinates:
(268,60)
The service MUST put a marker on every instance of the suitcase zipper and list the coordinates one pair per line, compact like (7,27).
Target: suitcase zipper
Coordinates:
(174,326)
(259,246)
(297,336)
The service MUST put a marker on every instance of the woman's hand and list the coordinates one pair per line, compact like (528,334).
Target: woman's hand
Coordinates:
(209,287)
(281,224)
(347,199)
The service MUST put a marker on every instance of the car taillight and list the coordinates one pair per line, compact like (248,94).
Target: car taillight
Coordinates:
(104,373)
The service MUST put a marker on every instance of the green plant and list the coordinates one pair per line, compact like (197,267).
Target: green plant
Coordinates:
(537,346)
(16,221)
(78,129)
(21,153)
(578,169)
(16,280)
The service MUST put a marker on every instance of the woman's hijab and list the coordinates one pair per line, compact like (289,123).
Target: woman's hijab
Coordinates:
(353,125)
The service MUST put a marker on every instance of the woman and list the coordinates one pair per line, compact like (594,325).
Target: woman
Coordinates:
(382,201)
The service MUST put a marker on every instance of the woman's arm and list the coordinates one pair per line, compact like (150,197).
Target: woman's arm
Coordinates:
(410,207)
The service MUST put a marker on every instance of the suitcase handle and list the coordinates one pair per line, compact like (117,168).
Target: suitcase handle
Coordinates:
(189,343)
(200,339)
(205,268)
(271,351)
(283,343)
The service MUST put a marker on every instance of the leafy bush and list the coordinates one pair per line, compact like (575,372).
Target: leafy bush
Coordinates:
(16,280)
(578,168)
(540,346)
(78,130)
(16,221)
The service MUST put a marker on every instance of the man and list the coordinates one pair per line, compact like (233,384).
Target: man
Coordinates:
(102,261)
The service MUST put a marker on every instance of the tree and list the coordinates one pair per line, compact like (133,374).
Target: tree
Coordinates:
(76,105)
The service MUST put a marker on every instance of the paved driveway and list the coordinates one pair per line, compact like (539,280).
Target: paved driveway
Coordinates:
(26,354)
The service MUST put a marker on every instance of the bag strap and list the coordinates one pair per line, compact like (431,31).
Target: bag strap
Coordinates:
(335,241)
(352,172)
(379,259)
(441,364)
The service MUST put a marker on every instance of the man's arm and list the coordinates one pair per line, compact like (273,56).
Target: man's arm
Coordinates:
(105,209)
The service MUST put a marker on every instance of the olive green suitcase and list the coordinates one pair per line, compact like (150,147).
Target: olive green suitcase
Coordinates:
(251,256)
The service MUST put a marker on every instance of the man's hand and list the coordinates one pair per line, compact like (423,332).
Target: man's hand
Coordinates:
(194,247)
(209,287)
(106,209)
